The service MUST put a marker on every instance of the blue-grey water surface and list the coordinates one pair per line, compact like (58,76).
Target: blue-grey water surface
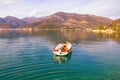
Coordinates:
(29,56)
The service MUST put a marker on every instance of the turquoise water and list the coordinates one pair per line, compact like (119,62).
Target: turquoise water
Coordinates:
(28,56)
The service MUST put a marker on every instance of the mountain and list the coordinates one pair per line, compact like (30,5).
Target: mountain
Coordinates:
(11,22)
(56,20)
(70,20)
(29,20)
(2,20)
(4,25)
(114,25)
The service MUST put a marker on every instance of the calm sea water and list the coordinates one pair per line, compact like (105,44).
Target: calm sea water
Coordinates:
(29,56)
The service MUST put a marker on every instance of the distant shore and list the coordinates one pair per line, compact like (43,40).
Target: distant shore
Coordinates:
(103,31)
(36,29)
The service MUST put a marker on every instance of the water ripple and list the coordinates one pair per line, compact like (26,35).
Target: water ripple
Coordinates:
(31,58)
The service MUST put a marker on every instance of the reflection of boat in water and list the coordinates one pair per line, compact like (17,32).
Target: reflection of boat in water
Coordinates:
(62,59)
(63,48)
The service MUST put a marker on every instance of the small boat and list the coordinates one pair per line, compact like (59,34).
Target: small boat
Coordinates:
(63,48)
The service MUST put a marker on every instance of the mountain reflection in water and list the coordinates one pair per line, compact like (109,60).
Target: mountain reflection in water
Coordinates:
(27,55)
(62,35)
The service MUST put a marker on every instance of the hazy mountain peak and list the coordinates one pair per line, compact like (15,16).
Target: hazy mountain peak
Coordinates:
(59,13)
(31,19)
(11,22)
(10,17)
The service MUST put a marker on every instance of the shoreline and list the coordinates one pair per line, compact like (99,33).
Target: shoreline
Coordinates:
(103,31)
(37,29)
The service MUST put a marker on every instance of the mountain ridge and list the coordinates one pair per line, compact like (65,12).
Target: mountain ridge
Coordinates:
(11,22)
(71,20)
(56,20)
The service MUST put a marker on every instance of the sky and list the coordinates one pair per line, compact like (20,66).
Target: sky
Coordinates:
(42,8)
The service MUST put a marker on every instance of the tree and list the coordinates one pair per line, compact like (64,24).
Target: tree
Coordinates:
(100,27)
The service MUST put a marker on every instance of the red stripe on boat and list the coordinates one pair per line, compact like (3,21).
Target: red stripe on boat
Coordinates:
(56,50)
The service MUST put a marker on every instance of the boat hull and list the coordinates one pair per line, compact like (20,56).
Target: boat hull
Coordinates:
(60,51)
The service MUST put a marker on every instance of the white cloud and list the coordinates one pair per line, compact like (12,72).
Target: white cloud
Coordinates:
(107,8)
(38,13)
(34,13)
(10,1)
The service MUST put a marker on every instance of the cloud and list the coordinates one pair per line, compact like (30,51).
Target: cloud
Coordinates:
(34,13)
(38,13)
(106,8)
(103,8)
(6,2)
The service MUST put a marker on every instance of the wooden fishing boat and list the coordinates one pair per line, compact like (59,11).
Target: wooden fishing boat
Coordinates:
(63,48)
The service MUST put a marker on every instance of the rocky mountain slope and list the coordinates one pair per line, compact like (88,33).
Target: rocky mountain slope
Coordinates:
(71,20)
(11,22)
(57,20)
